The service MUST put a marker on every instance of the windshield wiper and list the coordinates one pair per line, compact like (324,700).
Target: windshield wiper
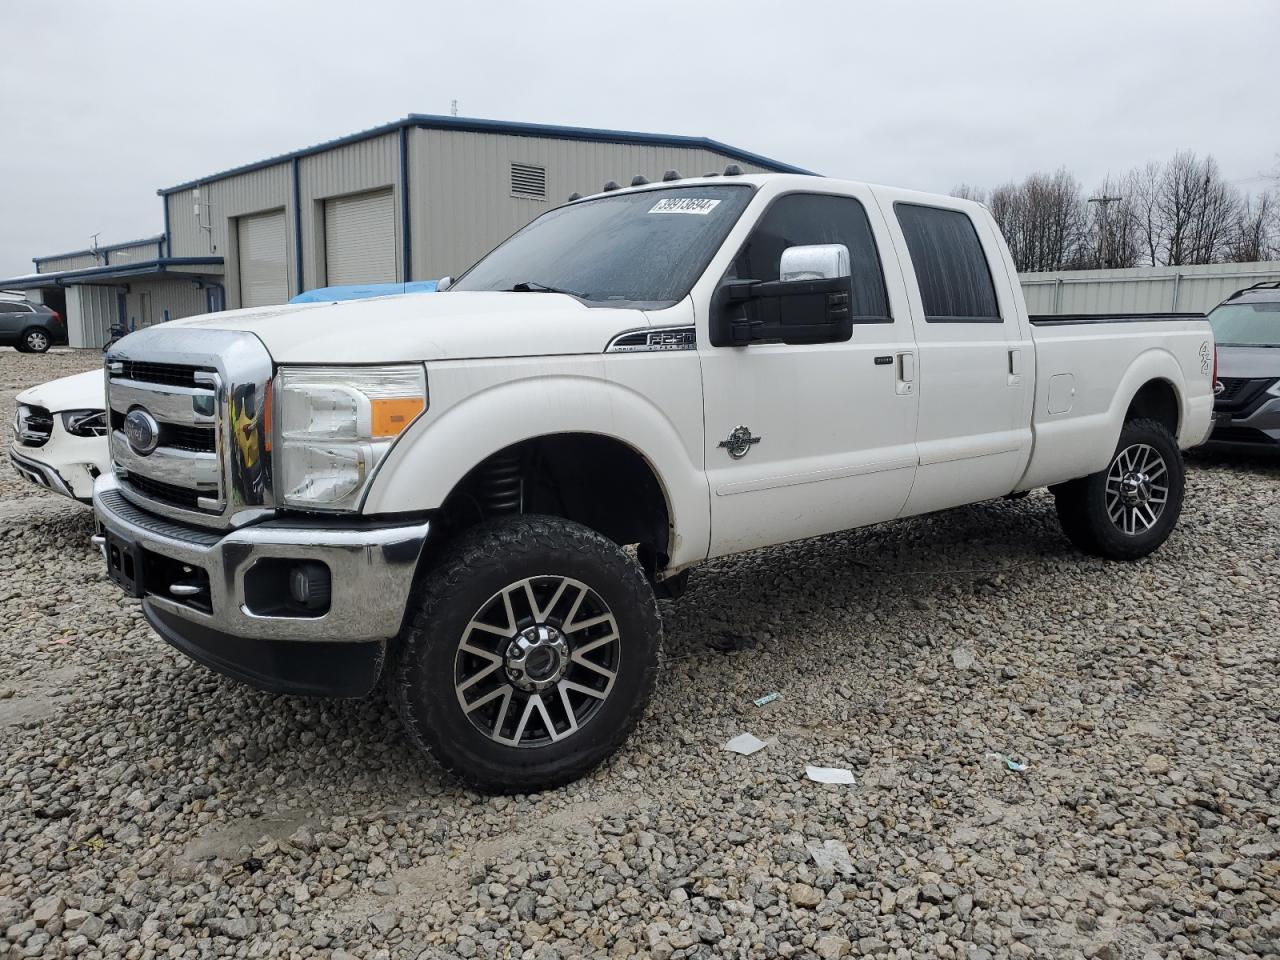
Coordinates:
(533,286)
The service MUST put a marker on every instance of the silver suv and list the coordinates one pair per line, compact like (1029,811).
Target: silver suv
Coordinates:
(31,327)
(1246,327)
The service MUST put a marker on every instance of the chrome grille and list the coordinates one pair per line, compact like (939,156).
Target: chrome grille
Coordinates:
(201,453)
(32,426)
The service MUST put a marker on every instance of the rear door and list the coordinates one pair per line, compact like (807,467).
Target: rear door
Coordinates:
(803,439)
(976,375)
(360,239)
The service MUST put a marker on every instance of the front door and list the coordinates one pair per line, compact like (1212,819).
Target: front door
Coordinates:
(807,439)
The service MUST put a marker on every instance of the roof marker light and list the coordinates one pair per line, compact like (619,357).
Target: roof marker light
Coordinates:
(733,170)
(611,185)
(670,175)
(639,180)
(574,196)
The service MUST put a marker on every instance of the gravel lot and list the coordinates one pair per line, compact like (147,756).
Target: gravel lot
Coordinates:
(151,809)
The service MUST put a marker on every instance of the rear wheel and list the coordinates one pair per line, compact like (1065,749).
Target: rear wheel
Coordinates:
(35,340)
(1127,510)
(530,655)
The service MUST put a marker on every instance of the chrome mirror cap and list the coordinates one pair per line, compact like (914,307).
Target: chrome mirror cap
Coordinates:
(821,261)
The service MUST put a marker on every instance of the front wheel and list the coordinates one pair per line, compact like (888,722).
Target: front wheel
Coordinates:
(1127,510)
(529,655)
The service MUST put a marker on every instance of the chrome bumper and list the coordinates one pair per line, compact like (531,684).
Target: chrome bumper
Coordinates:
(371,569)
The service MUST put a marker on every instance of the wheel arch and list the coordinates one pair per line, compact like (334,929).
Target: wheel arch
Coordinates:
(435,460)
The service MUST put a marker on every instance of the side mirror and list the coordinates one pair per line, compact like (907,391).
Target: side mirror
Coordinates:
(810,303)
(443,284)
(820,261)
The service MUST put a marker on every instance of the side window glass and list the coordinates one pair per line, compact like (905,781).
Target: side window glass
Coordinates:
(804,219)
(951,267)
(8,307)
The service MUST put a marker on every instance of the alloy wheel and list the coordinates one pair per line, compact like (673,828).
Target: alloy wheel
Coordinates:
(537,661)
(1137,489)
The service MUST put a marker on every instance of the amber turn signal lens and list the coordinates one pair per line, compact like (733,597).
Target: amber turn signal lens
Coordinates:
(392,414)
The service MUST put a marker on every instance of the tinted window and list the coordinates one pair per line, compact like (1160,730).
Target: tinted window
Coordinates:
(803,219)
(643,247)
(951,268)
(10,308)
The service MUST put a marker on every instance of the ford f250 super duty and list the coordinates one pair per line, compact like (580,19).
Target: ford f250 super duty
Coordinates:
(479,493)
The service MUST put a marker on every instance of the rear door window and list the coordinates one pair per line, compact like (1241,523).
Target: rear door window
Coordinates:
(950,265)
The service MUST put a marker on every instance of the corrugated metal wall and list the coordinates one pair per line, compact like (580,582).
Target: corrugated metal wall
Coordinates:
(459,186)
(355,168)
(79,261)
(135,253)
(255,192)
(1141,289)
(90,313)
(147,301)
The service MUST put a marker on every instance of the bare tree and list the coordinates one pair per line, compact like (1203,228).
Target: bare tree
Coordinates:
(1041,219)
(1256,233)
(966,191)
(1196,210)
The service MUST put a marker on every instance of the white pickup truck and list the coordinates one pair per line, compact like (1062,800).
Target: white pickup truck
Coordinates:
(479,493)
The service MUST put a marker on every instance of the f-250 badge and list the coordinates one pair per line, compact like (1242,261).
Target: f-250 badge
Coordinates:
(1206,355)
(740,442)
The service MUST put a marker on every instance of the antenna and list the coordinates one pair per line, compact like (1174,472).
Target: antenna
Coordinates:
(93,245)
(453,108)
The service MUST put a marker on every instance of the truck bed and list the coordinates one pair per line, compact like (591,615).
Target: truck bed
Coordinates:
(1089,370)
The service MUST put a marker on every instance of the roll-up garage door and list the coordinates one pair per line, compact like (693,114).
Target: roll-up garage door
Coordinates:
(264,277)
(360,239)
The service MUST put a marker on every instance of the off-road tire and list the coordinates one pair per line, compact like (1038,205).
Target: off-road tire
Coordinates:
(469,572)
(1082,504)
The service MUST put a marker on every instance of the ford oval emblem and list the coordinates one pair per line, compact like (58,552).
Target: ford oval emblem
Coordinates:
(142,431)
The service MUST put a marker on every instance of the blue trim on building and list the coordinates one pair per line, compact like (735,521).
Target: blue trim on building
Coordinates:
(167,251)
(297,227)
(140,268)
(406,244)
(107,249)
(505,128)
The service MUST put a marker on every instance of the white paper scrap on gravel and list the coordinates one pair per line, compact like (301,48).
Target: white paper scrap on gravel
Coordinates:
(745,744)
(829,775)
(831,856)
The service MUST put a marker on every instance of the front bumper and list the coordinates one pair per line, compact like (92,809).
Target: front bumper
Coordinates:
(1258,430)
(371,569)
(70,475)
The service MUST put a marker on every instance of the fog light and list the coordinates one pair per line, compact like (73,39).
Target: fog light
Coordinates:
(309,585)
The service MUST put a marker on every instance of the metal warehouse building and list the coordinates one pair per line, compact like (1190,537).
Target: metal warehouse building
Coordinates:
(416,199)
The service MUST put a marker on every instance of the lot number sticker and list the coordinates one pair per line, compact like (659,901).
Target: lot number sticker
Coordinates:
(694,205)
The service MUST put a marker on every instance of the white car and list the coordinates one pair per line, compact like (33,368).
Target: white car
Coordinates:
(483,490)
(60,435)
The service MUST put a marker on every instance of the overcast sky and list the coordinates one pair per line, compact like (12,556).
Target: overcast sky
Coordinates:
(103,103)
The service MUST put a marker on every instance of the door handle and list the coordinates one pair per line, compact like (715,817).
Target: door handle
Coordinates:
(906,380)
(1015,366)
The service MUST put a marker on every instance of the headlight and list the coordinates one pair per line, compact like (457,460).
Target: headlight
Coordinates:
(85,423)
(334,426)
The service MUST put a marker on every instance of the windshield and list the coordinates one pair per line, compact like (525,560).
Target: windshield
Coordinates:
(1246,324)
(642,249)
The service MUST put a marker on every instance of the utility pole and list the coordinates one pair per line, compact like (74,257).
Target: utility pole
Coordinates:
(453,107)
(1104,237)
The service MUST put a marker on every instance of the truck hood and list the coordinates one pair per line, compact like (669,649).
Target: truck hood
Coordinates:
(1250,363)
(81,391)
(449,326)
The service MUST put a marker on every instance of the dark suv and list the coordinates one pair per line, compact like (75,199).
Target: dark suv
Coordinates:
(1246,327)
(31,327)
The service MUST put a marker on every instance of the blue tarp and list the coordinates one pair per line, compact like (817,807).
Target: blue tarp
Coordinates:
(362,291)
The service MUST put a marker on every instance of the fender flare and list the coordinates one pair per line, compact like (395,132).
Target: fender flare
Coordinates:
(438,451)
